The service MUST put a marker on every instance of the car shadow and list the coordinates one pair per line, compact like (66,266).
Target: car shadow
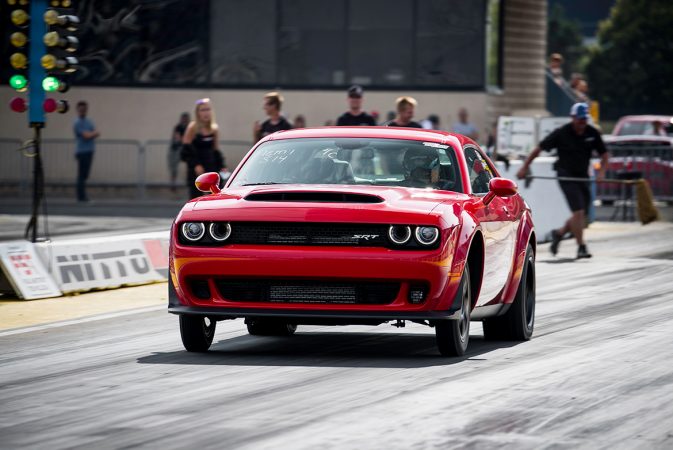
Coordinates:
(331,349)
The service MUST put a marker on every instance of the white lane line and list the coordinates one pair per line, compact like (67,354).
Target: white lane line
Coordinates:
(82,320)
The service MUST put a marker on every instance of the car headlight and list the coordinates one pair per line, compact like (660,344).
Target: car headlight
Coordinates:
(427,235)
(399,234)
(220,231)
(193,231)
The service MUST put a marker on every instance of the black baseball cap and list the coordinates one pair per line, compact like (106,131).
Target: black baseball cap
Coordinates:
(355,91)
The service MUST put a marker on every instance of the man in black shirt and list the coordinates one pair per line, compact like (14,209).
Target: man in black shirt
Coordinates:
(575,143)
(176,147)
(355,116)
(273,103)
(405,112)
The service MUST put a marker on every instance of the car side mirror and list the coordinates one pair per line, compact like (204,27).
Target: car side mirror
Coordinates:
(500,187)
(208,182)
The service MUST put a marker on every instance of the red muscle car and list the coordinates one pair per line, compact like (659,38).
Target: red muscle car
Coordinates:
(356,225)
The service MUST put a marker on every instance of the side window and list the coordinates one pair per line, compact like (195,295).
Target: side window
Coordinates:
(478,170)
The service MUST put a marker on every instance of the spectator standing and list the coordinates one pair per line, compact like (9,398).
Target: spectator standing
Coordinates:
(431,123)
(556,68)
(273,103)
(85,134)
(176,147)
(355,116)
(406,107)
(299,121)
(464,127)
(200,145)
(658,129)
(575,143)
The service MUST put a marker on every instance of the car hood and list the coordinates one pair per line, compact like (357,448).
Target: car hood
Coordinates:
(322,203)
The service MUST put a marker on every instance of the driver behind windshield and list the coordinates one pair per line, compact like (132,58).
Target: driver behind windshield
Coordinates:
(421,168)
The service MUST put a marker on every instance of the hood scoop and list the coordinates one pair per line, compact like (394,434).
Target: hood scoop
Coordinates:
(319,197)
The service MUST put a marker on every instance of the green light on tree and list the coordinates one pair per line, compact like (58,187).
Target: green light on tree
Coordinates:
(18,82)
(50,84)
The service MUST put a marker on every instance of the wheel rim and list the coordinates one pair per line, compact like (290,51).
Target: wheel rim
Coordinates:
(464,323)
(530,294)
(208,327)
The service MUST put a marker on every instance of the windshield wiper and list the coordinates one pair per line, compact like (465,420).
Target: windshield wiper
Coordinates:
(261,184)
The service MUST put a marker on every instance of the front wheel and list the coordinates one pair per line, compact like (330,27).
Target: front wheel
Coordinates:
(454,335)
(197,332)
(518,322)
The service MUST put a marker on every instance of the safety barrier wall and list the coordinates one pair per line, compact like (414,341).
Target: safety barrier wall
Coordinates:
(117,163)
(48,269)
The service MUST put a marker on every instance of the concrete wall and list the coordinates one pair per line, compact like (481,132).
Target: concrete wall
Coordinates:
(143,114)
(524,60)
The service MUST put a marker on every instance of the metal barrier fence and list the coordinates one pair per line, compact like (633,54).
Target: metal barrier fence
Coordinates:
(15,166)
(652,162)
(117,163)
(128,163)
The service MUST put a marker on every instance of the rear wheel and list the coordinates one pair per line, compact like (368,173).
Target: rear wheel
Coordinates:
(518,323)
(269,327)
(454,335)
(197,332)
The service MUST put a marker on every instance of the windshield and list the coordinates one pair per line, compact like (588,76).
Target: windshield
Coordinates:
(380,162)
(654,128)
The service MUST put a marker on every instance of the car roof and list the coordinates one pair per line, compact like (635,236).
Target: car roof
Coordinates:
(415,134)
(646,118)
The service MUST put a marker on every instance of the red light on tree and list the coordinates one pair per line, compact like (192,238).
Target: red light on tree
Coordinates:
(50,105)
(18,104)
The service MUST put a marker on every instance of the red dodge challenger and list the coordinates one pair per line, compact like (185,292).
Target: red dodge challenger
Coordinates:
(361,225)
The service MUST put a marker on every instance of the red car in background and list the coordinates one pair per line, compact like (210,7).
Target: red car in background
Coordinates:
(361,225)
(644,125)
(635,156)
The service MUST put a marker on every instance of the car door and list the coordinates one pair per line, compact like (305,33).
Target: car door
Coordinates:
(498,226)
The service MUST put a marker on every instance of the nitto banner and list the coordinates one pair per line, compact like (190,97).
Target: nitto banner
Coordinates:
(84,264)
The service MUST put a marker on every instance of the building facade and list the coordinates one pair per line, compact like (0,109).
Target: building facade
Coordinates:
(143,63)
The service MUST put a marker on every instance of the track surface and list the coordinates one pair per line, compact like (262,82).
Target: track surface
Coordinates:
(597,374)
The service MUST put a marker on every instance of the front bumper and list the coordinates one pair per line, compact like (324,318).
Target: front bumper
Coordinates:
(306,315)
(435,269)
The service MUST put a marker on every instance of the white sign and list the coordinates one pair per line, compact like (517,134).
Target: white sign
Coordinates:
(516,135)
(25,272)
(100,263)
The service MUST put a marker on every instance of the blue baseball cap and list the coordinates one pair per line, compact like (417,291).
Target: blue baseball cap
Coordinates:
(580,110)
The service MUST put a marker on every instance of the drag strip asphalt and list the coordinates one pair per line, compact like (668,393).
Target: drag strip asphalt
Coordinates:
(597,373)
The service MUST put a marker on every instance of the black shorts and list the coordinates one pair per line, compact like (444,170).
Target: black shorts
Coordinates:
(577,194)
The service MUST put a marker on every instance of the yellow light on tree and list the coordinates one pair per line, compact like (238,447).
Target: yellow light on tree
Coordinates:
(18,61)
(48,62)
(18,39)
(19,17)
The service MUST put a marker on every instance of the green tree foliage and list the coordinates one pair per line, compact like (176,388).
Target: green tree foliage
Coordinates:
(631,69)
(564,37)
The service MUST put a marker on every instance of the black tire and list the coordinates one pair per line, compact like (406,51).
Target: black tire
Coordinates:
(453,336)
(197,332)
(518,322)
(269,327)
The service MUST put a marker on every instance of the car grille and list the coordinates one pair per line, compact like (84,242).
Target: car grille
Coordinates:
(287,233)
(308,291)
